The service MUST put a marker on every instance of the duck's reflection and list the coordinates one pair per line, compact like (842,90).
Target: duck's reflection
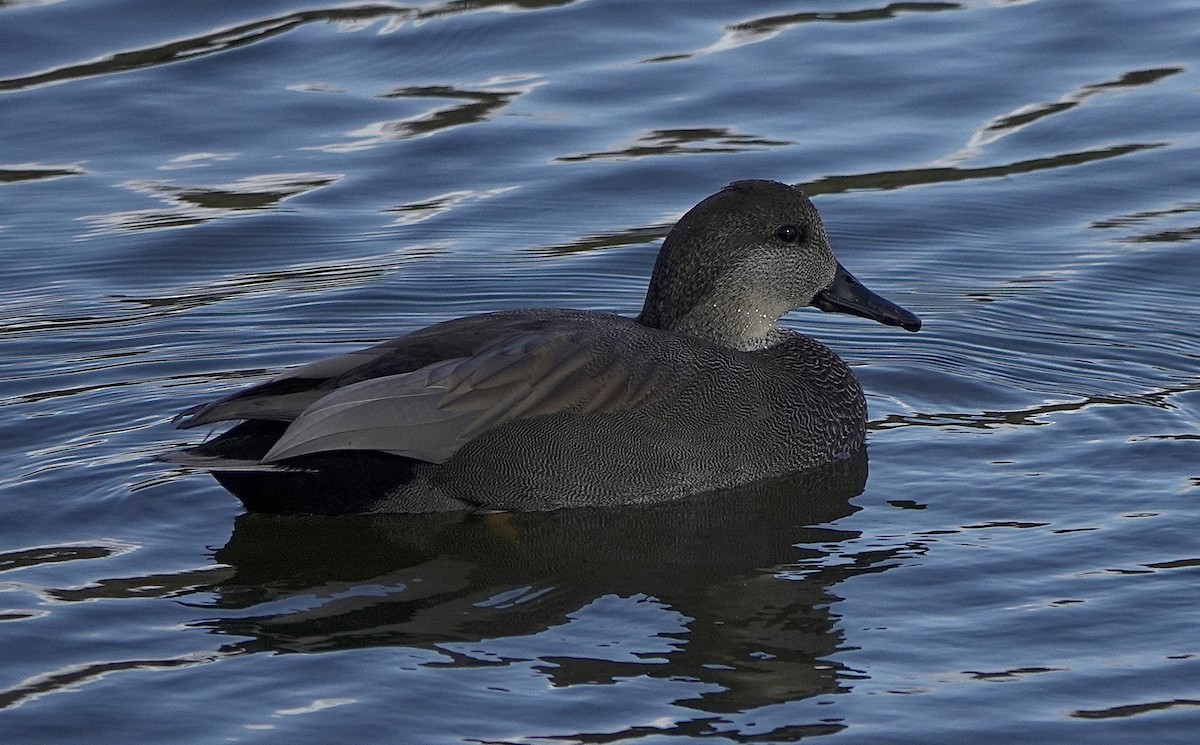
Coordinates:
(750,570)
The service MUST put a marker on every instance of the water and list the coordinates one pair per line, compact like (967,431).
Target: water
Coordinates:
(194,195)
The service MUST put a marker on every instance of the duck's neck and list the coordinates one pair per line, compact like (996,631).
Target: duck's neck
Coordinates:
(730,320)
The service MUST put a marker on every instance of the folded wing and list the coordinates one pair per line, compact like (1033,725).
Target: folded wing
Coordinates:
(429,413)
(283,398)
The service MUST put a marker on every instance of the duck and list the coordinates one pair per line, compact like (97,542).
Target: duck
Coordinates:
(548,408)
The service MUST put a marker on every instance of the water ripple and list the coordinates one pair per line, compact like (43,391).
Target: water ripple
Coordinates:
(1029,114)
(1130,710)
(478,105)
(43,555)
(206,44)
(680,141)
(765,28)
(36,171)
(193,205)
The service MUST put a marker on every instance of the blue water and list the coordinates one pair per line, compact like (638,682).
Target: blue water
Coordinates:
(196,195)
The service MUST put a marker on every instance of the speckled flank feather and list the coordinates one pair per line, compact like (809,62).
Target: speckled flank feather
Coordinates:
(546,408)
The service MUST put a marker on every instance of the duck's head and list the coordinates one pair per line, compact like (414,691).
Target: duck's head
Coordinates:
(743,257)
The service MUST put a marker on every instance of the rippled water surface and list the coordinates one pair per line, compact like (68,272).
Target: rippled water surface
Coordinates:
(194,195)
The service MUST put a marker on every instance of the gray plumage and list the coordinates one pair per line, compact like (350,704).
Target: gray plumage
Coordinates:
(546,408)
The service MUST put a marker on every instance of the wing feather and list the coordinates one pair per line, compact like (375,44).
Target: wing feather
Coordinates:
(282,398)
(430,413)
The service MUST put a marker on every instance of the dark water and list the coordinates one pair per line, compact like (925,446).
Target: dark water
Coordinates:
(193,195)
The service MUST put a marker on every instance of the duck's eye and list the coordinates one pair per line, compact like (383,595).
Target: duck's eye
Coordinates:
(789,234)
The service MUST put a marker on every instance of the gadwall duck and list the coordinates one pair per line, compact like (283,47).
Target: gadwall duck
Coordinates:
(546,408)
